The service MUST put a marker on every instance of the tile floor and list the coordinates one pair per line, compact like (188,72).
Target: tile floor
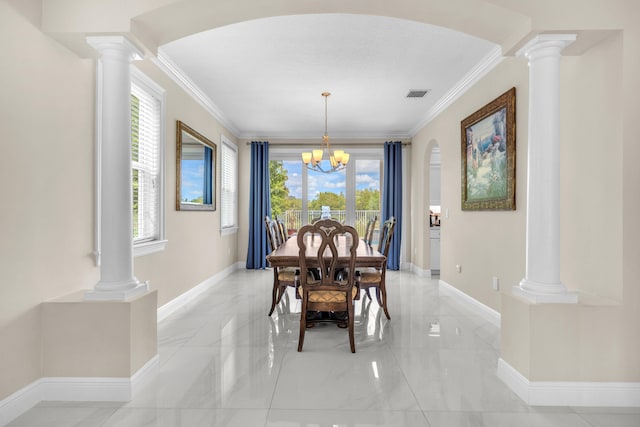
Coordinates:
(224,362)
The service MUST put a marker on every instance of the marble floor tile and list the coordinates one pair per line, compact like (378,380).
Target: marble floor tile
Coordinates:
(501,419)
(345,418)
(224,362)
(616,419)
(316,378)
(67,416)
(157,417)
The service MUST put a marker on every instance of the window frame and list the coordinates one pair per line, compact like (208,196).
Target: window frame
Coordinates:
(228,146)
(157,244)
(292,153)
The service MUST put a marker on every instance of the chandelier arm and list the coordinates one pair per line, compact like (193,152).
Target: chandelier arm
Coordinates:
(336,165)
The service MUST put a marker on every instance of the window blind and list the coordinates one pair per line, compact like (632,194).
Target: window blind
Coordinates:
(145,162)
(229,185)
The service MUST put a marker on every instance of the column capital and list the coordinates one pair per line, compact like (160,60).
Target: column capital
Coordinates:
(118,45)
(546,43)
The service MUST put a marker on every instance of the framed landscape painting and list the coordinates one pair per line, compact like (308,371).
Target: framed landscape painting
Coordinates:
(489,156)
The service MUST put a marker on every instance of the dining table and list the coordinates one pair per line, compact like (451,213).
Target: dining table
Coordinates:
(288,254)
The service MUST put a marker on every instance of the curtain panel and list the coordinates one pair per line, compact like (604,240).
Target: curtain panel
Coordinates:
(259,205)
(392,198)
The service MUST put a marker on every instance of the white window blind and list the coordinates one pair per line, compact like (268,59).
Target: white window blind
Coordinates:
(145,160)
(229,185)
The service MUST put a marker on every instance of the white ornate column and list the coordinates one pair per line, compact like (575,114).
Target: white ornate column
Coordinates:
(542,275)
(113,124)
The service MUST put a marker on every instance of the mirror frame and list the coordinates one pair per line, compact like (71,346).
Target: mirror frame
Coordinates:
(180,206)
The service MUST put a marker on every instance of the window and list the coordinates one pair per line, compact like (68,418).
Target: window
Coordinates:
(229,187)
(298,194)
(147,162)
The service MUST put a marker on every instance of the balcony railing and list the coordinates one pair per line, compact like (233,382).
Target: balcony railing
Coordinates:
(293,219)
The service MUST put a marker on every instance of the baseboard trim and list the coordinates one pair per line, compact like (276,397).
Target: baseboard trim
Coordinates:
(569,393)
(177,303)
(488,313)
(92,389)
(420,272)
(89,389)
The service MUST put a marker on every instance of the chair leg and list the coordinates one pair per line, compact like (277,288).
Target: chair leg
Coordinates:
(274,298)
(350,315)
(383,292)
(281,290)
(378,297)
(303,325)
(274,293)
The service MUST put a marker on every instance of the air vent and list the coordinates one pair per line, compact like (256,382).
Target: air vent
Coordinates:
(417,93)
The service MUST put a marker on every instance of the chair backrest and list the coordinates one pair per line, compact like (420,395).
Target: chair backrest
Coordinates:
(386,233)
(368,234)
(272,233)
(282,230)
(329,232)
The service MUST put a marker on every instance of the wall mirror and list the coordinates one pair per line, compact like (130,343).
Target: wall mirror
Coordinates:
(195,170)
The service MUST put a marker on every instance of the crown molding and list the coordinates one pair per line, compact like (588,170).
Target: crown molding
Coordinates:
(177,75)
(482,68)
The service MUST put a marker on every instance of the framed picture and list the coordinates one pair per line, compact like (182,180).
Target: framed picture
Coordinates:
(489,156)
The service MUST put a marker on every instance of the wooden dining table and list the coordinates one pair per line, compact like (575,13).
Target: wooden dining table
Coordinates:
(287,255)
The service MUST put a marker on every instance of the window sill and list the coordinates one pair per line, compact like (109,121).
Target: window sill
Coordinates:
(147,248)
(228,230)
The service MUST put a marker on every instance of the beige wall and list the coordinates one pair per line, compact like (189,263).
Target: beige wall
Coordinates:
(196,250)
(46,170)
(595,340)
(98,338)
(47,224)
(467,236)
(47,118)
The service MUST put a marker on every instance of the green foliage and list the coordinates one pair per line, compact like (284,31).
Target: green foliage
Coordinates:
(279,192)
(335,201)
(368,200)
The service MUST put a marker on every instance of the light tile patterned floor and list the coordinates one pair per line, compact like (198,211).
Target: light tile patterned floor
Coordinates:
(224,362)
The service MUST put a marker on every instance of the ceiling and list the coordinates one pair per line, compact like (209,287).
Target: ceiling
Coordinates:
(265,77)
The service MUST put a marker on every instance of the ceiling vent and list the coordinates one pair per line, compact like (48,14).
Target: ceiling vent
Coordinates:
(417,93)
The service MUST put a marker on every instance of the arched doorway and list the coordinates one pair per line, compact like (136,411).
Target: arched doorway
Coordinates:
(433,202)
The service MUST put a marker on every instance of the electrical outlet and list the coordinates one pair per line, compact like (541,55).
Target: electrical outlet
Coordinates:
(458,268)
(496,284)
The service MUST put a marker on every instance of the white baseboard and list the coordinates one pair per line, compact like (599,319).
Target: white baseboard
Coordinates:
(90,389)
(420,272)
(569,393)
(488,313)
(193,293)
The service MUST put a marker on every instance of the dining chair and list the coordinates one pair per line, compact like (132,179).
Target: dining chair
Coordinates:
(330,293)
(282,230)
(282,276)
(372,277)
(368,234)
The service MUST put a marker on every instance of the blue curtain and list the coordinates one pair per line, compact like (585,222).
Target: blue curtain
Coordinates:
(208,176)
(259,205)
(392,198)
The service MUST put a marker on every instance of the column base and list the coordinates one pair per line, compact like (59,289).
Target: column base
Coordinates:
(116,294)
(545,293)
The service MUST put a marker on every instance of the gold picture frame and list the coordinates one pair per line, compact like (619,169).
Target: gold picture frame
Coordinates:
(488,151)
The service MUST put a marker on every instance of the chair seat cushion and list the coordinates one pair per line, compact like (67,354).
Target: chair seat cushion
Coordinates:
(328,296)
(287,274)
(370,276)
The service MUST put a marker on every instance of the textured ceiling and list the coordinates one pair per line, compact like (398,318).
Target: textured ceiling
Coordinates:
(265,77)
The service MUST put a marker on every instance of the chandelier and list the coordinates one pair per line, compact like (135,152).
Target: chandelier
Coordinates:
(338,159)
